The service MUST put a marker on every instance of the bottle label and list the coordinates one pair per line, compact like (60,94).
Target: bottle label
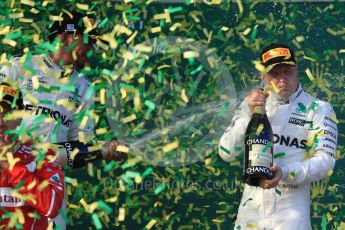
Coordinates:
(259,158)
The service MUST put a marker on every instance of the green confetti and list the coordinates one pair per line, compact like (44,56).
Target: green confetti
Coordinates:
(148,171)
(159,189)
(324,223)
(279,155)
(302,107)
(63,215)
(292,174)
(225,150)
(278,192)
(150,104)
(96,221)
(109,166)
(172,10)
(102,205)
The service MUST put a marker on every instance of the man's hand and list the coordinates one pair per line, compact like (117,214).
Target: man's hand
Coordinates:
(256,98)
(277,172)
(110,151)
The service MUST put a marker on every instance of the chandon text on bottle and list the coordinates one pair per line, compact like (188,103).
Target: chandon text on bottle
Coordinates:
(258,148)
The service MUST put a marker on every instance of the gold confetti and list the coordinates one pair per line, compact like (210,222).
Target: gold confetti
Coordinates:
(275,88)
(309,74)
(122,214)
(184,96)
(122,148)
(330,172)
(174,27)
(151,224)
(246,32)
(34,11)
(19,15)
(129,118)
(240,6)
(10,42)
(191,54)
(82,6)
(224,28)
(334,118)
(44,184)
(252,225)
(156,29)
(142,48)
(27,2)
(171,146)
(131,38)
(65,103)
(85,205)
(260,128)
(101,131)
(102,96)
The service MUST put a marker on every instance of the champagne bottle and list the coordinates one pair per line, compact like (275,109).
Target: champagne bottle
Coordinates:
(258,148)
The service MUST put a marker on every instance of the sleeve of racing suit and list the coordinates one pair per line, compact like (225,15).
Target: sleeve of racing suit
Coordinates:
(46,198)
(82,157)
(9,71)
(232,142)
(321,147)
(82,127)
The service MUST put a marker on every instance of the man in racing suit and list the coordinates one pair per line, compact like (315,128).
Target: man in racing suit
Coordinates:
(30,190)
(305,139)
(59,98)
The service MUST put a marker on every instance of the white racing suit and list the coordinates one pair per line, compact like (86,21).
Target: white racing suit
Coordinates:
(60,106)
(305,139)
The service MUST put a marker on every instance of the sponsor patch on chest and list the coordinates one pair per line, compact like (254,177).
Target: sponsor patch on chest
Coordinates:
(296,121)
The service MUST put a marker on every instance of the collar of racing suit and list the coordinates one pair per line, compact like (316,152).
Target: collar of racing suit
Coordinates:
(276,99)
(50,63)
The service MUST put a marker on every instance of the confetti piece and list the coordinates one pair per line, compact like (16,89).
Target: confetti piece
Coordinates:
(43,185)
(292,175)
(184,96)
(82,6)
(275,88)
(259,129)
(240,6)
(151,224)
(309,74)
(334,118)
(96,221)
(122,148)
(190,54)
(278,192)
(122,213)
(246,32)
(27,2)
(324,223)
(279,155)
(156,29)
(109,166)
(330,172)
(159,189)
(251,225)
(171,146)
(302,107)
(129,118)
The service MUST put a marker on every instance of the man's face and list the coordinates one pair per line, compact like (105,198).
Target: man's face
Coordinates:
(6,125)
(284,77)
(76,55)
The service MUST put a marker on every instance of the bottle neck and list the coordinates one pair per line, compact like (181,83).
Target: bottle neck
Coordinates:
(260,109)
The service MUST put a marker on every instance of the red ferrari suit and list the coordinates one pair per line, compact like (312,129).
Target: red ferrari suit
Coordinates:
(41,186)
